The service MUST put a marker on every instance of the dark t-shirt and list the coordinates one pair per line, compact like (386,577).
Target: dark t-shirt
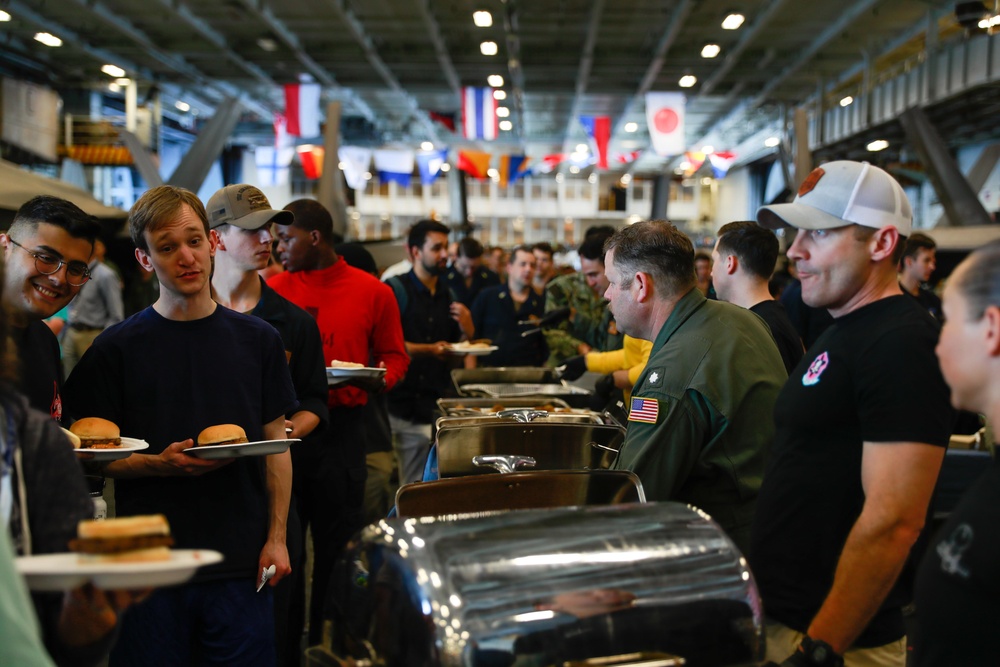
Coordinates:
(426,319)
(164,381)
(958,586)
(40,375)
(785,336)
(930,301)
(495,318)
(872,376)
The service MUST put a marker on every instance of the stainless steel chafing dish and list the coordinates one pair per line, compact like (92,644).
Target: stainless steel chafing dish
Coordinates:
(519,490)
(524,416)
(626,585)
(512,382)
(476,405)
(552,445)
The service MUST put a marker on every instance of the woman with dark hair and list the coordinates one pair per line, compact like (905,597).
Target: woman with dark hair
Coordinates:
(958,587)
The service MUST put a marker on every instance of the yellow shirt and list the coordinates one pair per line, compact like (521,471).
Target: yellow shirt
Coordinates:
(632,356)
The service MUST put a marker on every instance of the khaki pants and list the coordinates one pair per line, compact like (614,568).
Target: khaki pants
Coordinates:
(782,642)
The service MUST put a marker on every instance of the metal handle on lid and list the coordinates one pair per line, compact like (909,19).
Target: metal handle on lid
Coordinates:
(504,463)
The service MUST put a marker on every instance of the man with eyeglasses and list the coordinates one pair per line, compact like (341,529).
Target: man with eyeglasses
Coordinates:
(46,253)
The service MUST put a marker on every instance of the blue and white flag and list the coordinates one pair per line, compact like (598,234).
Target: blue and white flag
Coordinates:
(430,164)
(479,114)
(394,165)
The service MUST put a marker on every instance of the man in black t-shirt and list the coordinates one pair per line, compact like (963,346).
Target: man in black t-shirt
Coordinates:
(742,263)
(915,269)
(46,254)
(857,449)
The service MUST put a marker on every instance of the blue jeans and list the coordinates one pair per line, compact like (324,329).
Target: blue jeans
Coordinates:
(212,623)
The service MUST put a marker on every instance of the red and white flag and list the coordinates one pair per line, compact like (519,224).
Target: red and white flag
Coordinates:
(302,109)
(665,118)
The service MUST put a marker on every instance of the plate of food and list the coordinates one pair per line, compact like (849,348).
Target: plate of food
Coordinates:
(123,553)
(474,348)
(98,439)
(342,371)
(228,441)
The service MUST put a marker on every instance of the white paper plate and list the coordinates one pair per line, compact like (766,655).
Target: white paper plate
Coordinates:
(129,445)
(472,351)
(259,448)
(61,572)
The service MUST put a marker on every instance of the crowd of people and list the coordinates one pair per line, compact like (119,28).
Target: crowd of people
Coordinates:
(815,442)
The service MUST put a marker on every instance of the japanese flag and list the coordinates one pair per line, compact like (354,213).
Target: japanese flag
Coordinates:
(665,119)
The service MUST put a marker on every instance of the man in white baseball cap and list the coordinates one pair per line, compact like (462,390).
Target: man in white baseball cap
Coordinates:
(860,431)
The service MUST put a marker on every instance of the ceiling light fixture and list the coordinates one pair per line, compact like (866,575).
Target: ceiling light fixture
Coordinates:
(506,125)
(710,50)
(733,21)
(48,39)
(626,179)
(495,80)
(267,44)
(502,112)
(114,87)
(483,19)
(493,173)
(631,127)
(446,167)
(123,81)
(426,146)
(846,101)
(582,148)
(574,169)
(113,71)
(708,150)
(771,142)
(182,106)
(4,16)
(499,95)
(488,48)
(687,81)
(877,145)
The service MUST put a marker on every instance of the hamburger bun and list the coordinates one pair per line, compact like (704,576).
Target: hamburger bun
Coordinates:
(133,539)
(222,434)
(337,363)
(96,433)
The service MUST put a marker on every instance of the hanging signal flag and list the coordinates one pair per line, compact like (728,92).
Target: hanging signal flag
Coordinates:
(599,130)
(479,114)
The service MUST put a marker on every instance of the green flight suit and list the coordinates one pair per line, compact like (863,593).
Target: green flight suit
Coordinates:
(701,419)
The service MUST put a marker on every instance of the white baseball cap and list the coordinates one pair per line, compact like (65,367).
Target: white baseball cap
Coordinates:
(842,193)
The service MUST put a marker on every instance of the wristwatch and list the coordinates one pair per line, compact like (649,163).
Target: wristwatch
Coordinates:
(819,653)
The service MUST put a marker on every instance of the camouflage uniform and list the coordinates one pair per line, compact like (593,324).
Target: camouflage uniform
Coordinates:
(591,321)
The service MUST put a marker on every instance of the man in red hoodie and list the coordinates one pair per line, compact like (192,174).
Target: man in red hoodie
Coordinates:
(359,322)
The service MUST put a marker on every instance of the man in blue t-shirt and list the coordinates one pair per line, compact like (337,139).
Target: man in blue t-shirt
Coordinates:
(163,375)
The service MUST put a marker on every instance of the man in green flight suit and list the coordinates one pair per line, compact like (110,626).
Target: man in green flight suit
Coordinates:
(701,414)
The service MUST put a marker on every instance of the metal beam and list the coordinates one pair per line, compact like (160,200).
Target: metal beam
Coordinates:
(375,60)
(440,49)
(961,204)
(733,55)
(849,15)
(583,72)
(205,150)
(291,40)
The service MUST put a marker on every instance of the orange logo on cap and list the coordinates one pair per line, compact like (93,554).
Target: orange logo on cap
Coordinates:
(811,180)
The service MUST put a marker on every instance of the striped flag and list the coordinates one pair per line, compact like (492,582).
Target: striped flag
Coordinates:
(599,130)
(302,109)
(479,114)
(644,410)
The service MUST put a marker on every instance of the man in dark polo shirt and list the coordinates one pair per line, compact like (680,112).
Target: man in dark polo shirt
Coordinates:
(432,320)
(468,276)
(861,428)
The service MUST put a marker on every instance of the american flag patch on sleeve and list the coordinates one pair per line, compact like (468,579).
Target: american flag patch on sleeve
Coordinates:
(644,410)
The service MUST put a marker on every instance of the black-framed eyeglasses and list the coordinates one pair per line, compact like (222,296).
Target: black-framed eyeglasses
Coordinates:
(77,273)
